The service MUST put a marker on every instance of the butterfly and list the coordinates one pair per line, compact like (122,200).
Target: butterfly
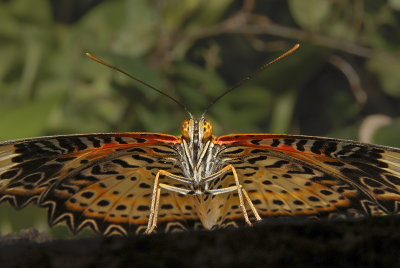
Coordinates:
(134,182)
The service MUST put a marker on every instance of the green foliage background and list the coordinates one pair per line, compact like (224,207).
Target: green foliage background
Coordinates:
(343,82)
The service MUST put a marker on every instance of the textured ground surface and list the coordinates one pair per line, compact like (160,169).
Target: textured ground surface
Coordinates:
(372,242)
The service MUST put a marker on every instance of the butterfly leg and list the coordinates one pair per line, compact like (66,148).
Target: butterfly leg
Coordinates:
(155,200)
(241,191)
(253,208)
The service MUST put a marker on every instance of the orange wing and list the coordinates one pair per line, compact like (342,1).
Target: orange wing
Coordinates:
(302,175)
(104,181)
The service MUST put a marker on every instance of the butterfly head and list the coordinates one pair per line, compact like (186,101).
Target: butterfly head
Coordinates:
(196,130)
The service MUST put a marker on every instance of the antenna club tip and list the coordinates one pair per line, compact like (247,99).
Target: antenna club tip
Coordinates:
(96,59)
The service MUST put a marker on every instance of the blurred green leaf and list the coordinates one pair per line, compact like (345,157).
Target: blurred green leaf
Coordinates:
(388,135)
(310,14)
(205,81)
(126,27)
(341,30)
(395,4)
(27,120)
(139,69)
(199,13)
(38,11)
(387,68)
(9,25)
(9,56)
(175,12)
(282,113)
(197,84)
(243,110)
(210,12)
(138,34)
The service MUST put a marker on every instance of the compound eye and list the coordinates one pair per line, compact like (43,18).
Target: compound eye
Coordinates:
(185,129)
(208,130)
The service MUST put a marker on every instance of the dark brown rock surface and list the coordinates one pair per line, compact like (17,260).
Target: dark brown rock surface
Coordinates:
(373,242)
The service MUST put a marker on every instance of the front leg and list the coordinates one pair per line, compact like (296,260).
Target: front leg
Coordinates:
(155,197)
(239,188)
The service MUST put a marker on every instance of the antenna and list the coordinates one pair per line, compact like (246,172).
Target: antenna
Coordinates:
(251,76)
(138,80)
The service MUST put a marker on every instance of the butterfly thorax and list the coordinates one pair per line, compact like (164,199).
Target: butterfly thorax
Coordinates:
(198,152)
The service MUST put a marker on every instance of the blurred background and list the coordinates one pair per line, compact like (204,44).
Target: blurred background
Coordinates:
(343,82)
